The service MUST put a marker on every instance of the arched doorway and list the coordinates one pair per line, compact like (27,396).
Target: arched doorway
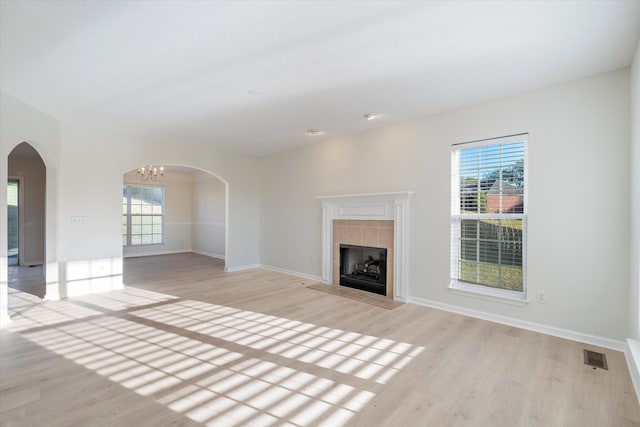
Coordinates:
(26,222)
(183,211)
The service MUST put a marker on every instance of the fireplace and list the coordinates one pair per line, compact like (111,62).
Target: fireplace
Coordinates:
(379,220)
(364,267)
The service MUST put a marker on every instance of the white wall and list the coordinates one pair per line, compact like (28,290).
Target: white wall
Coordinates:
(634,288)
(578,198)
(90,187)
(177,215)
(32,207)
(208,215)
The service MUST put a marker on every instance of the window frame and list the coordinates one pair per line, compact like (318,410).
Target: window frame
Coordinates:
(486,291)
(129,215)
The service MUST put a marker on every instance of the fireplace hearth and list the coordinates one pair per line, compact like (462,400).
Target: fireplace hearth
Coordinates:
(364,268)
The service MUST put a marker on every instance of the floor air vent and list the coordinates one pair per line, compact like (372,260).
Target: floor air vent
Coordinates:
(597,360)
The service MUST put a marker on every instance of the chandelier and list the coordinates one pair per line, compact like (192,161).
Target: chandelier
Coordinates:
(150,173)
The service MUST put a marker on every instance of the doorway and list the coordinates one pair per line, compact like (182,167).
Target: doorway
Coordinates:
(13,221)
(26,228)
(184,210)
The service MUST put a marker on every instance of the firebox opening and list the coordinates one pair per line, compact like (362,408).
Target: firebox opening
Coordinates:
(364,268)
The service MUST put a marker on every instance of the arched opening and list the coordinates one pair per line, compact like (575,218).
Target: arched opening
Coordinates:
(26,222)
(184,211)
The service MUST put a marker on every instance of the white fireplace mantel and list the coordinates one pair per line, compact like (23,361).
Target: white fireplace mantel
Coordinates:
(374,206)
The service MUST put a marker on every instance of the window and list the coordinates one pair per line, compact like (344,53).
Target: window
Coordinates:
(142,215)
(489,217)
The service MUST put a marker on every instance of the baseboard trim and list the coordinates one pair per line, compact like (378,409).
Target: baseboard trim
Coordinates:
(181,251)
(241,268)
(292,273)
(632,354)
(155,253)
(523,324)
(209,254)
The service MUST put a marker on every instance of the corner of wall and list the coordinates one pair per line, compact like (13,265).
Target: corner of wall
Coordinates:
(632,354)
(634,250)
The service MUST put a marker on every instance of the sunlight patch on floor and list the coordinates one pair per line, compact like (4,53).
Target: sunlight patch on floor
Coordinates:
(219,365)
(50,313)
(363,356)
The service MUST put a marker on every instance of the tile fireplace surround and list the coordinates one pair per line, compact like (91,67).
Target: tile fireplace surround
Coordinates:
(372,233)
(379,220)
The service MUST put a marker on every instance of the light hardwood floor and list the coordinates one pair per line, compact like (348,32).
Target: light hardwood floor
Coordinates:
(186,344)
(26,288)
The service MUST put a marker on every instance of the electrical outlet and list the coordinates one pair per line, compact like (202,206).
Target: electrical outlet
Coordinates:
(541,297)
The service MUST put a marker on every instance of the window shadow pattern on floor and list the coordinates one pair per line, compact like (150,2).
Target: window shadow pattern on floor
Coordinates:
(219,365)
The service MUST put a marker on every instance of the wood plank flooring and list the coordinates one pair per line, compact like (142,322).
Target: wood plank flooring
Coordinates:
(186,344)
(26,288)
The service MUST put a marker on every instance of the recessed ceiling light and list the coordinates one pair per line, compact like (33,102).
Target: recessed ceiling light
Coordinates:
(370,116)
(253,92)
(313,132)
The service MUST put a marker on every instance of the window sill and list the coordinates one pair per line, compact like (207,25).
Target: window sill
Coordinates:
(491,294)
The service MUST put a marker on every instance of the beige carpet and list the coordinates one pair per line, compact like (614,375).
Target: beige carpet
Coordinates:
(358,295)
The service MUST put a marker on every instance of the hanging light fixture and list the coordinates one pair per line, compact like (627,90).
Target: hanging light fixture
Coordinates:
(150,173)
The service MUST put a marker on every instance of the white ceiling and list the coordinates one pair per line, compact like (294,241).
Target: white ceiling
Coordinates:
(252,77)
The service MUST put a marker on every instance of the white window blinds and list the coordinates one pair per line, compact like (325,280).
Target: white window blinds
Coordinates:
(488,206)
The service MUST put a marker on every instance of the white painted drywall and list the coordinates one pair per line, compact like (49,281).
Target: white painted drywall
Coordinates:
(33,172)
(578,194)
(634,253)
(90,186)
(177,217)
(208,215)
